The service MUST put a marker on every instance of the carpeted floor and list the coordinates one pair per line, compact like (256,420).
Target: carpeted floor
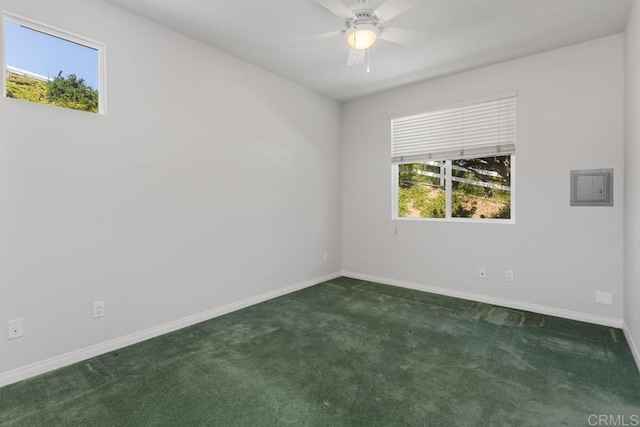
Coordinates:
(347,352)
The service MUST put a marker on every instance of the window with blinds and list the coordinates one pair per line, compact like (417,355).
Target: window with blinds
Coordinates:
(456,162)
(479,128)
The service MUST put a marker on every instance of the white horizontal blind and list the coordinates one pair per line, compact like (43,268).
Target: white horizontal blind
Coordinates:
(479,128)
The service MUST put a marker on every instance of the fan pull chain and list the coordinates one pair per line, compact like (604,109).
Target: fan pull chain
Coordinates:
(368,64)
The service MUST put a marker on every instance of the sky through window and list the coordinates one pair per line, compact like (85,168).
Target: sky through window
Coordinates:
(47,55)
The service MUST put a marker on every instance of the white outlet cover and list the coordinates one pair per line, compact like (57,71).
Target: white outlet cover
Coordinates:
(509,276)
(605,298)
(16,328)
(98,309)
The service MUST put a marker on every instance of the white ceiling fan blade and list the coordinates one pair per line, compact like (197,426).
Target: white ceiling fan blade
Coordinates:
(392,8)
(320,37)
(402,36)
(356,57)
(337,8)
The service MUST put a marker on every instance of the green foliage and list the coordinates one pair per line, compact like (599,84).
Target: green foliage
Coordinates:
(459,200)
(68,92)
(423,196)
(430,202)
(71,92)
(27,88)
(436,208)
(504,212)
(468,189)
(406,196)
(420,199)
(499,164)
(408,174)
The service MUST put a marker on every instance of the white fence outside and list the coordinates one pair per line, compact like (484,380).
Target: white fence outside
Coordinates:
(26,73)
(441,176)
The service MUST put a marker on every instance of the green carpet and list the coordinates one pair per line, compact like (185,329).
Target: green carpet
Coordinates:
(346,353)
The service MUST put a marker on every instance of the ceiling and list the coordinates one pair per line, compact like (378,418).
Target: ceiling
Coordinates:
(458,35)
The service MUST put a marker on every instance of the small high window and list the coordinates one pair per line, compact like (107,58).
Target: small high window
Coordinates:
(50,66)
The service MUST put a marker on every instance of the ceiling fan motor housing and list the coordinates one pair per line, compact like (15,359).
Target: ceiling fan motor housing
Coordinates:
(363,17)
(362,30)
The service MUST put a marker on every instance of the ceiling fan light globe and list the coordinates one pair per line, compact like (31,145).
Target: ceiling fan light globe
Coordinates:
(362,37)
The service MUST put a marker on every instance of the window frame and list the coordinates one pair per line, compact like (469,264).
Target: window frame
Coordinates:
(448,157)
(395,184)
(64,35)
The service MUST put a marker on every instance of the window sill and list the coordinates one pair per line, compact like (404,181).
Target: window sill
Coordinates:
(459,220)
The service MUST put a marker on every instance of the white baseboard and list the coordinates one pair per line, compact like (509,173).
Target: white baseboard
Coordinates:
(551,311)
(632,345)
(57,362)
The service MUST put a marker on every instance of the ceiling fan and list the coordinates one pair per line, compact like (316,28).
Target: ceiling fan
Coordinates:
(363,26)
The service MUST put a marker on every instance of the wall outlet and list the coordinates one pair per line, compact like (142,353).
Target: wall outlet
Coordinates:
(16,328)
(508,275)
(605,298)
(98,309)
(482,272)
(325,257)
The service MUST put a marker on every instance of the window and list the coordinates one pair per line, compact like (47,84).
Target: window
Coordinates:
(456,162)
(53,67)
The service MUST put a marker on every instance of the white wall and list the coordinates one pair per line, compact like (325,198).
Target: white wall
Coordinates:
(209,181)
(632,180)
(569,116)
